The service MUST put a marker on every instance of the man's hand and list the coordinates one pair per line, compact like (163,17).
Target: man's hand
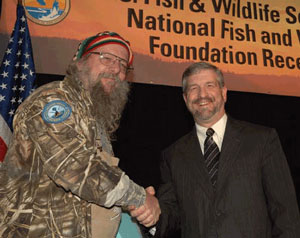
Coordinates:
(148,213)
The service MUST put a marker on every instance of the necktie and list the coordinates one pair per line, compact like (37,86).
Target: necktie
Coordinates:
(211,156)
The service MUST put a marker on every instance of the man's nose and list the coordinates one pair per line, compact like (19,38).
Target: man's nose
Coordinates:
(115,67)
(202,92)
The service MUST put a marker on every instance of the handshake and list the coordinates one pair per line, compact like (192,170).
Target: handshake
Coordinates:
(147,214)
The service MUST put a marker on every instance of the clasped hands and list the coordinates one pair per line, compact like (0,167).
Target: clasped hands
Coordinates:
(148,213)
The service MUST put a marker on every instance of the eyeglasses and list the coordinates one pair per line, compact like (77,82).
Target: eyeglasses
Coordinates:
(109,59)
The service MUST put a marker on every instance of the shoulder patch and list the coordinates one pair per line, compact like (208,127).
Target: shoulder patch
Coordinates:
(56,111)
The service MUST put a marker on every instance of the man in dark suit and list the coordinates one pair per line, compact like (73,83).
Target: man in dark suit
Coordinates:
(230,182)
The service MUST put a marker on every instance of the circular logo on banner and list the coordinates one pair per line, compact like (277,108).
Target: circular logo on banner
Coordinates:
(46,12)
(56,111)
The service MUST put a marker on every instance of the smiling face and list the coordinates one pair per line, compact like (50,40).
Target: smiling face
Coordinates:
(108,76)
(205,98)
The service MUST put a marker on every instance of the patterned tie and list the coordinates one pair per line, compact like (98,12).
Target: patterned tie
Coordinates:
(211,156)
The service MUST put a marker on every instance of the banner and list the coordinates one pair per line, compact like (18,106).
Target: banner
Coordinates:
(255,43)
(17,75)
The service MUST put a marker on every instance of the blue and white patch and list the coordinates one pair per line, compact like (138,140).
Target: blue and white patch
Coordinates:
(56,112)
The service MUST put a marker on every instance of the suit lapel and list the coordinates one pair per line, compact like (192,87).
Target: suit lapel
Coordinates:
(197,166)
(229,151)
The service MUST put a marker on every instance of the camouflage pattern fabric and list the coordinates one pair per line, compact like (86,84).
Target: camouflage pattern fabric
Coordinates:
(53,172)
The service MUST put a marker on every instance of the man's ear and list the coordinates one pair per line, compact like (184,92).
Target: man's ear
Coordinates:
(224,93)
(79,65)
(184,97)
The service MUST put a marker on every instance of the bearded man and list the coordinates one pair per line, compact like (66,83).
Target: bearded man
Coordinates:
(59,177)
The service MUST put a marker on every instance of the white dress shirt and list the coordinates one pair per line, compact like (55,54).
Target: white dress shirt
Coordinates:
(219,128)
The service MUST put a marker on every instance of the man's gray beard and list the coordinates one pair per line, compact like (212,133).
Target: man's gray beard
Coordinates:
(108,108)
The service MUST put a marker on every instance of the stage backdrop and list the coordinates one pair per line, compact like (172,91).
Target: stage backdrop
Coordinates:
(255,43)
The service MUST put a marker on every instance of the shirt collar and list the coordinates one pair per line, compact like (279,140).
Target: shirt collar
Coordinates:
(219,128)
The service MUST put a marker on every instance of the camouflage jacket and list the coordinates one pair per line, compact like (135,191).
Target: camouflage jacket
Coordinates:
(56,168)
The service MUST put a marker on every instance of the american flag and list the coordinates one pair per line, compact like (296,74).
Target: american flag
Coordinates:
(17,75)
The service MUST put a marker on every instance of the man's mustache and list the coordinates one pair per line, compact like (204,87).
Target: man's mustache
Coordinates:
(110,76)
(207,99)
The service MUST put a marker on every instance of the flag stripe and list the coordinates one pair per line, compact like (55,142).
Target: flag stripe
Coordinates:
(3,149)
(5,132)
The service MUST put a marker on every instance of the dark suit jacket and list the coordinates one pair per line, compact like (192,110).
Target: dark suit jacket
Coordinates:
(254,197)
